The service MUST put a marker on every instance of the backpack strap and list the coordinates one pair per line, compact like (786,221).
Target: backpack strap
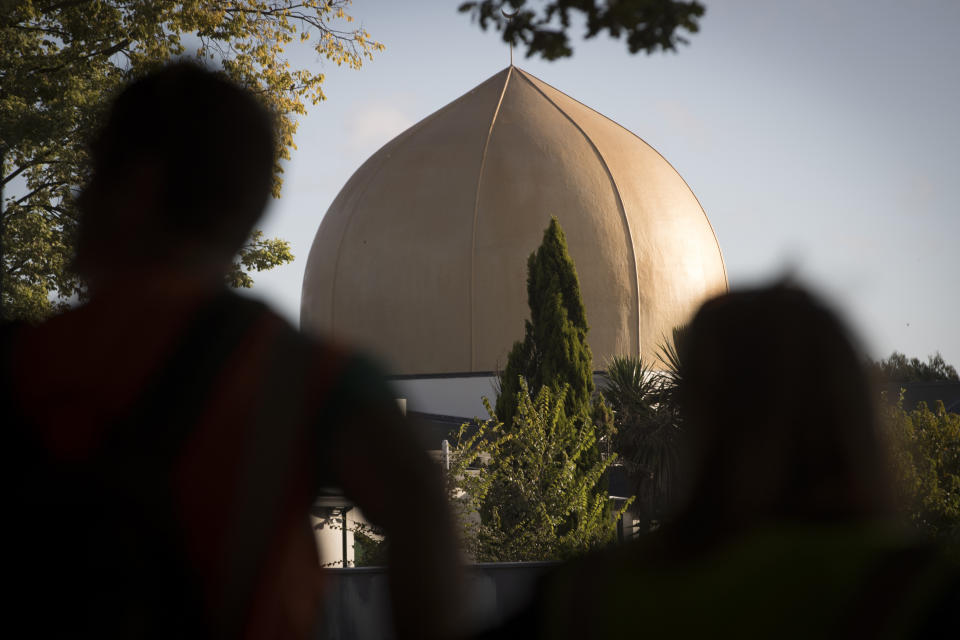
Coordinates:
(274,433)
(141,450)
(9,415)
(97,546)
(220,327)
(300,385)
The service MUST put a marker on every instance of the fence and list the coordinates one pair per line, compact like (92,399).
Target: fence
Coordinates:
(358,601)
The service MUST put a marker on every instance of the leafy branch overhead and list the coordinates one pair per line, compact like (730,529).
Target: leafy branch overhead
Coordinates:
(258,254)
(61,61)
(647,25)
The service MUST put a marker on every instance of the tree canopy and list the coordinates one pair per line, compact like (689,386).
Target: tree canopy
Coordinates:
(899,368)
(554,351)
(530,481)
(60,62)
(647,25)
(926,460)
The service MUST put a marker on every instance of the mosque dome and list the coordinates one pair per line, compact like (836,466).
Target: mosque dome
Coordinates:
(421,259)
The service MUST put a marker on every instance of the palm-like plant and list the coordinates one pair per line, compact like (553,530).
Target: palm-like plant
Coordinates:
(672,375)
(631,386)
(648,425)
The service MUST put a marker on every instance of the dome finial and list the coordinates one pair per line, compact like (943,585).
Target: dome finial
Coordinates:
(510,17)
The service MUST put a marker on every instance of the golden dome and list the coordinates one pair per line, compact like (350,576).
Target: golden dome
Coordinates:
(421,259)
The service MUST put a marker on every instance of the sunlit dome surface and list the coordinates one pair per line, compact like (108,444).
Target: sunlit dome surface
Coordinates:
(421,258)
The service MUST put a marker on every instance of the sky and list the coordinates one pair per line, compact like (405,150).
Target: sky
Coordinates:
(822,139)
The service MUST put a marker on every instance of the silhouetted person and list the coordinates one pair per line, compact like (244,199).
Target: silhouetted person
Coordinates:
(787,529)
(164,441)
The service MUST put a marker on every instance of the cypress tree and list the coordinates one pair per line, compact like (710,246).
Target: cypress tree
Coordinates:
(554,351)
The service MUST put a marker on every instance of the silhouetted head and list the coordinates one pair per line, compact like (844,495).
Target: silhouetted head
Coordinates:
(182,170)
(779,413)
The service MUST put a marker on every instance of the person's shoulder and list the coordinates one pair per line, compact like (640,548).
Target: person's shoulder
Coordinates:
(34,344)
(353,373)
(10,331)
(10,334)
(333,363)
(319,351)
(312,344)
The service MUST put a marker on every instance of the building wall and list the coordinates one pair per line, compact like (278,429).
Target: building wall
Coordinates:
(328,534)
(460,396)
(449,396)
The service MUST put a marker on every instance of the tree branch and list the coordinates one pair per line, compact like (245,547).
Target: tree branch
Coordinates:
(42,187)
(57,212)
(57,32)
(26,166)
(117,48)
(64,5)
(15,268)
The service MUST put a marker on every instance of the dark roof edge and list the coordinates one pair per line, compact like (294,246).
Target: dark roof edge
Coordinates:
(440,376)
(458,374)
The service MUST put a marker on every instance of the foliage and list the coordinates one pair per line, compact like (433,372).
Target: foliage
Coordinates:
(523,493)
(632,387)
(60,61)
(926,459)
(554,351)
(898,368)
(369,546)
(671,378)
(648,426)
(648,25)
(647,434)
(258,255)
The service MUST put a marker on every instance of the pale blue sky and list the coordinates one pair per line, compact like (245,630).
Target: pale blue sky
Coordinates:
(821,137)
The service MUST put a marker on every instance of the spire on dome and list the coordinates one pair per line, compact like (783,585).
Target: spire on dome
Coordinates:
(510,17)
